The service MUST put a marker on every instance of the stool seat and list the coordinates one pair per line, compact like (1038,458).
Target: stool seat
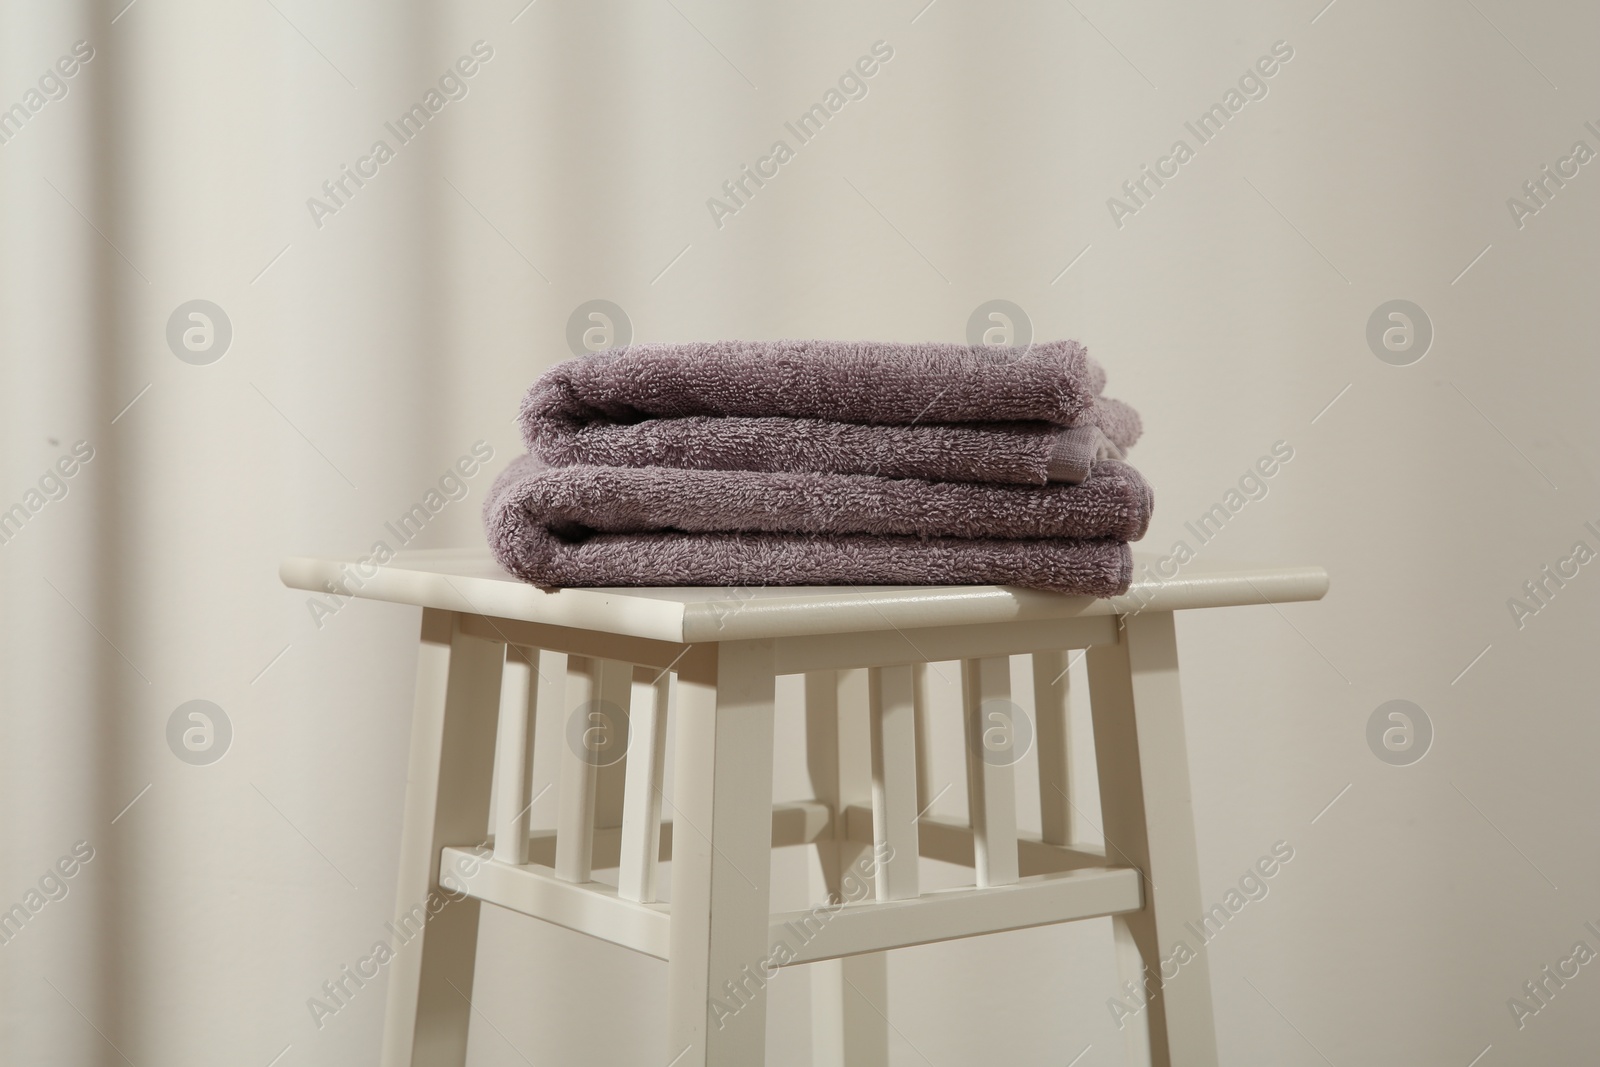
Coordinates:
(470,580)
(612,665)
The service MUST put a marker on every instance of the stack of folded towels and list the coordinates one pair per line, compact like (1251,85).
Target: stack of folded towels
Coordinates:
(823,463)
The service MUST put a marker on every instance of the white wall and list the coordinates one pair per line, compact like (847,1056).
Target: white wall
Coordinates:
(1231,309)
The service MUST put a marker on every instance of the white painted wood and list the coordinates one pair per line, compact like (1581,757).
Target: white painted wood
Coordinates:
(723,837)
(1148,820)
(863,981)
(469,581)
(923,678)
(592,908)
(447,802)
(827,1015)
(575,785)
(721,857)
(641,805)
(849,997)
(893,712)
(595,736)
(816,652)
(849,1005)
(550,740)
(1053,738)
(991,788)
(795,823)
(950,841)
(821,696)
(513,753)
(598,910)
(616,696)
(1131,976)
(945,915)
(662,655)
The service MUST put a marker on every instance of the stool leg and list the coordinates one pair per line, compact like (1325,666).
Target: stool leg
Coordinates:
(1149,822)
(848,995)
(447,803)
(721,859)
(849,1002)
(1131,975)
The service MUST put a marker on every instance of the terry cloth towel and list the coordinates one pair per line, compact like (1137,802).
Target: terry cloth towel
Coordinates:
(1020,453)
(556,526)
(844,381)
(936,411)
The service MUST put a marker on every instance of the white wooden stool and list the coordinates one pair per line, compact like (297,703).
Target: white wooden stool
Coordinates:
(622,647)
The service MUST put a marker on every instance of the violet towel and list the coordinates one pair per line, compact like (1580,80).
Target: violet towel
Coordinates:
(1018,453)
(1078,568)
(558,526)
(844,381)
(574,502)
(805,406)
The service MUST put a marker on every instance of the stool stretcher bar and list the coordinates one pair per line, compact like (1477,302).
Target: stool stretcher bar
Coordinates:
(1059,884)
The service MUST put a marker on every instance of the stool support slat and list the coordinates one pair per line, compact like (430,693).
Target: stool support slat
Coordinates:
(991,791)
(950,841)
(639,650)
(948,914)
(893,712)
(1053,739)
(592,908)
(922,680)
(594,729)
(519,704)
(800,822)
(576,780)
(641,804)
(820,652)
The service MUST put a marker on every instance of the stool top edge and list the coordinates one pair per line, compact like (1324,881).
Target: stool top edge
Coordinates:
(469,581)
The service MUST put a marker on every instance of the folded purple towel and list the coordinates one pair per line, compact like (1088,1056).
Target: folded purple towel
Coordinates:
(806,406)
(1115,502)
(1117,420)
(899,384)
(558,526)
(1078,568)
(1018,453)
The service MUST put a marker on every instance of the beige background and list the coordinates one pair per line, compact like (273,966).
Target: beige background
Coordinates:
(369,353)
